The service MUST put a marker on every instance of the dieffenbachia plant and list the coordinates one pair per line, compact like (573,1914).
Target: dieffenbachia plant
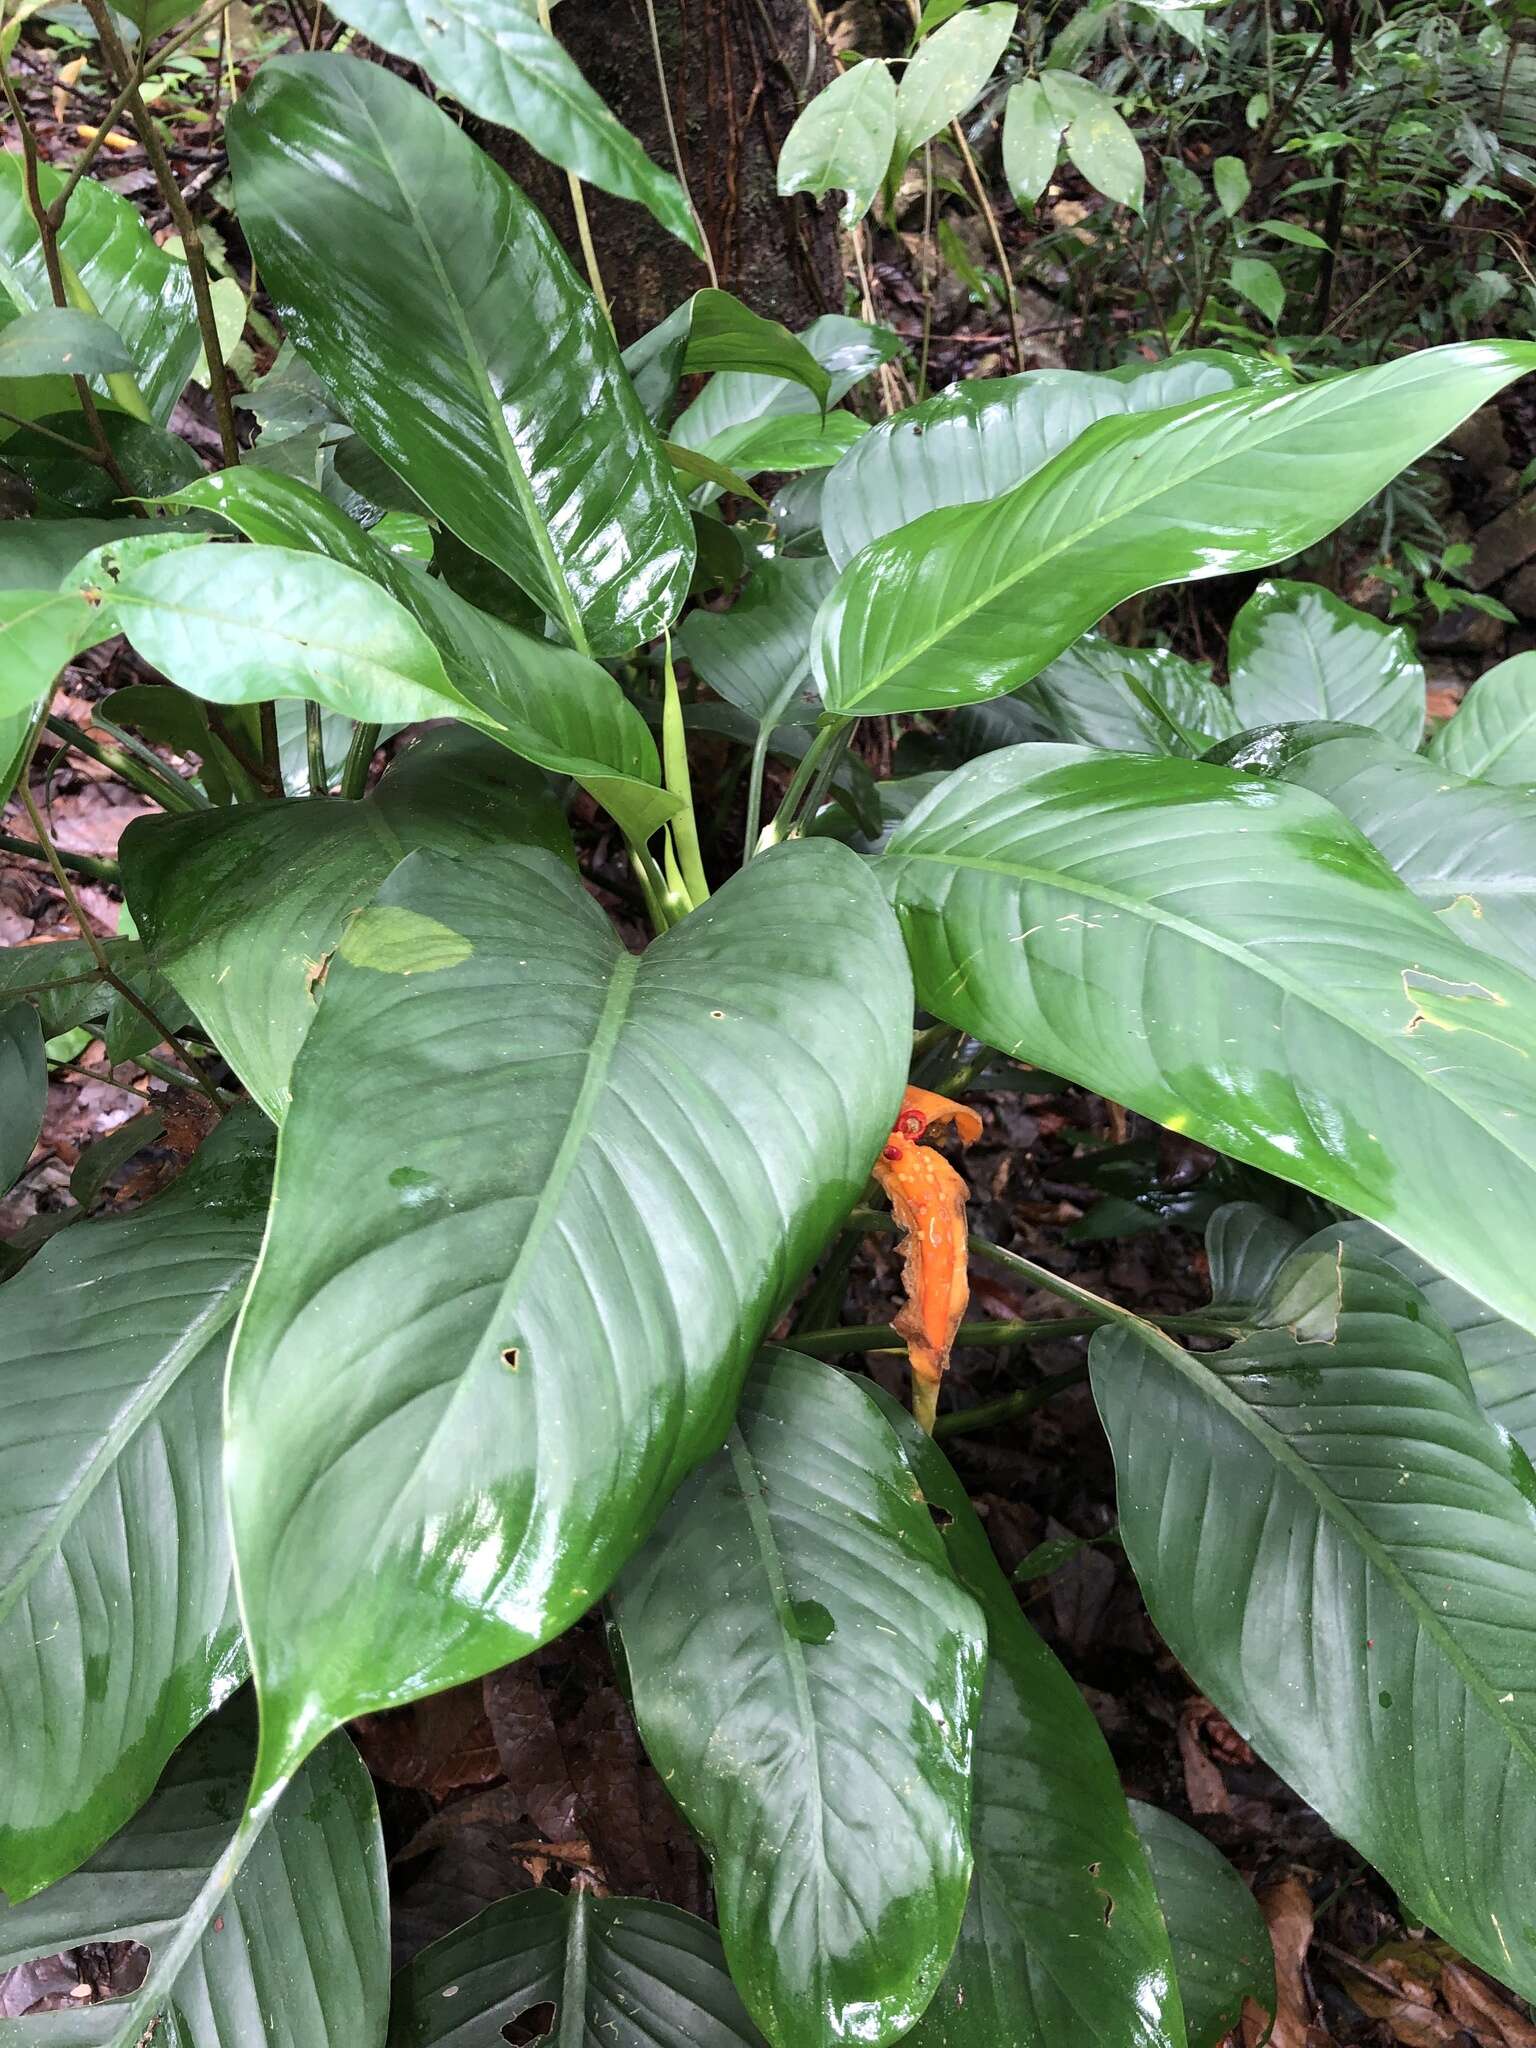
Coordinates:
(477,1308)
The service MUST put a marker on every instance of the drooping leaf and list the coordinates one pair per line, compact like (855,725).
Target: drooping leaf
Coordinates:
(40,630)
(23,1088)
(1099,693)
(848,350)
(843,140)
(1493,734)
(1298,652)
(496,59)
(723,334)
(408,264)
(553,706)
(981,439)
(1256,279)
(785,441)
(1341,1550)
(1229,174)
(1098,138)
(297,1948)
(586,1184)
(58,341)
(1221,1947)
(1031,141)
(806,1674)
(118,1629)
(1062,1938)
(141,292)
(623,1973)
(972,600)
(757,655)
(1275,991)
(1465,848)
(241,909)
(949,74)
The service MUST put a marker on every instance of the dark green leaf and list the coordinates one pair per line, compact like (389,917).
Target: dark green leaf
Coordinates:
(1275,991)
(757,655)
(501,1316)
(847,350)
(807,1674)
(973,600)
(241,909)
(723,334)
(1299,652)
(23,1088)
(843,140)
(622,1973)
(296,1950)
(63,980)
(497,60)
(1221,1947)
(411,266)
(1493,734)
(103,1156)
(118,1629)
(1341,1550)
(1062,1939)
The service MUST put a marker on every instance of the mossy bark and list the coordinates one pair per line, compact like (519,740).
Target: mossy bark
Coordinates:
(738,72)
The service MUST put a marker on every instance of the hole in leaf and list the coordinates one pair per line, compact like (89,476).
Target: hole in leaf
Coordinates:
(940,1517)
(536,2024)
(509,1357)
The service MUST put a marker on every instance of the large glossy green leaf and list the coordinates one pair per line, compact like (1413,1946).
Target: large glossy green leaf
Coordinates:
(1468,849)
(757,655)
(495,58)
(440,309)
(23,1088)
(972,600)
(118,1630)
(584,1185)
(1299,652)
(1062,1938)
(980,439)
(843,140)
(1230,957)
(949,73)
(557,708)
(1340,1548)
(1221,1948)
(293,1954)
(241,909)
(807,1673)
(136,287)
(1132,699)
(40,630)
(1493,735)
(620,1973)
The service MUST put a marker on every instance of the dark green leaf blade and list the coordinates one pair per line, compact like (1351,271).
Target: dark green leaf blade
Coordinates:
(1221,1946)
(240,909)
(118,1629)
(23,1088)
(1275,991)
(586,1186)
(970,601)
(1341,1550)
(806,1676)
(628,1973)
(408,265)
(1063,1939)
(297,1947)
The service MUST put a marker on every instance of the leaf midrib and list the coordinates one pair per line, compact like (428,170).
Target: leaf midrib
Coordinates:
(1264,971)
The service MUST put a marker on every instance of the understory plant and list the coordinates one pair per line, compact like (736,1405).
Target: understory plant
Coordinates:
(482,1303)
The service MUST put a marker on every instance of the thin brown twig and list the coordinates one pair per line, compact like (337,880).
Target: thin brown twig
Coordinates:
(978,186)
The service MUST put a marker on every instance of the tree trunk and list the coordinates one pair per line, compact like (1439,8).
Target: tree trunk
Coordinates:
(738,72)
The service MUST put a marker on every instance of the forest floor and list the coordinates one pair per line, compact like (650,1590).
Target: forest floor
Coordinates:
(538,1773)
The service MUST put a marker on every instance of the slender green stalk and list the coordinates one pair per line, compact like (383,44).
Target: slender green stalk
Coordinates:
(354,773)
(171,791)
(663,905)
(1009,1407)
(674,758)
(578,203)
(677,149)
(82,863)
(995,234)
(314,744)
(831,731)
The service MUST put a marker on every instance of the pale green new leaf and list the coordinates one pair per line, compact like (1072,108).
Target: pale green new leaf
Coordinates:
(1231,957)
(807,1675)
(973,600)
(500,1317)
(1493,734)
(949,74)
(496,59)
(1340,1548)
(1098,139)
(1031,141)
(843,140)
(1257,280)
(1229,174)
(1298,652)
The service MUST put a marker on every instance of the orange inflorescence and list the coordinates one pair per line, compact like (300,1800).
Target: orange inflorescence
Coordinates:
(928,1200)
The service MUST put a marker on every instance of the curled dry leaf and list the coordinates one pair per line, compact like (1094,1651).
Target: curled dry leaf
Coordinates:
(928,1200)
(1287,1910)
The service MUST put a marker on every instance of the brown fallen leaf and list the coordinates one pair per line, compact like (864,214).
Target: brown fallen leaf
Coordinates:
(1482,2010)
(438,1746)
(1204,1786)
(1287,1910)
(1393,1990)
